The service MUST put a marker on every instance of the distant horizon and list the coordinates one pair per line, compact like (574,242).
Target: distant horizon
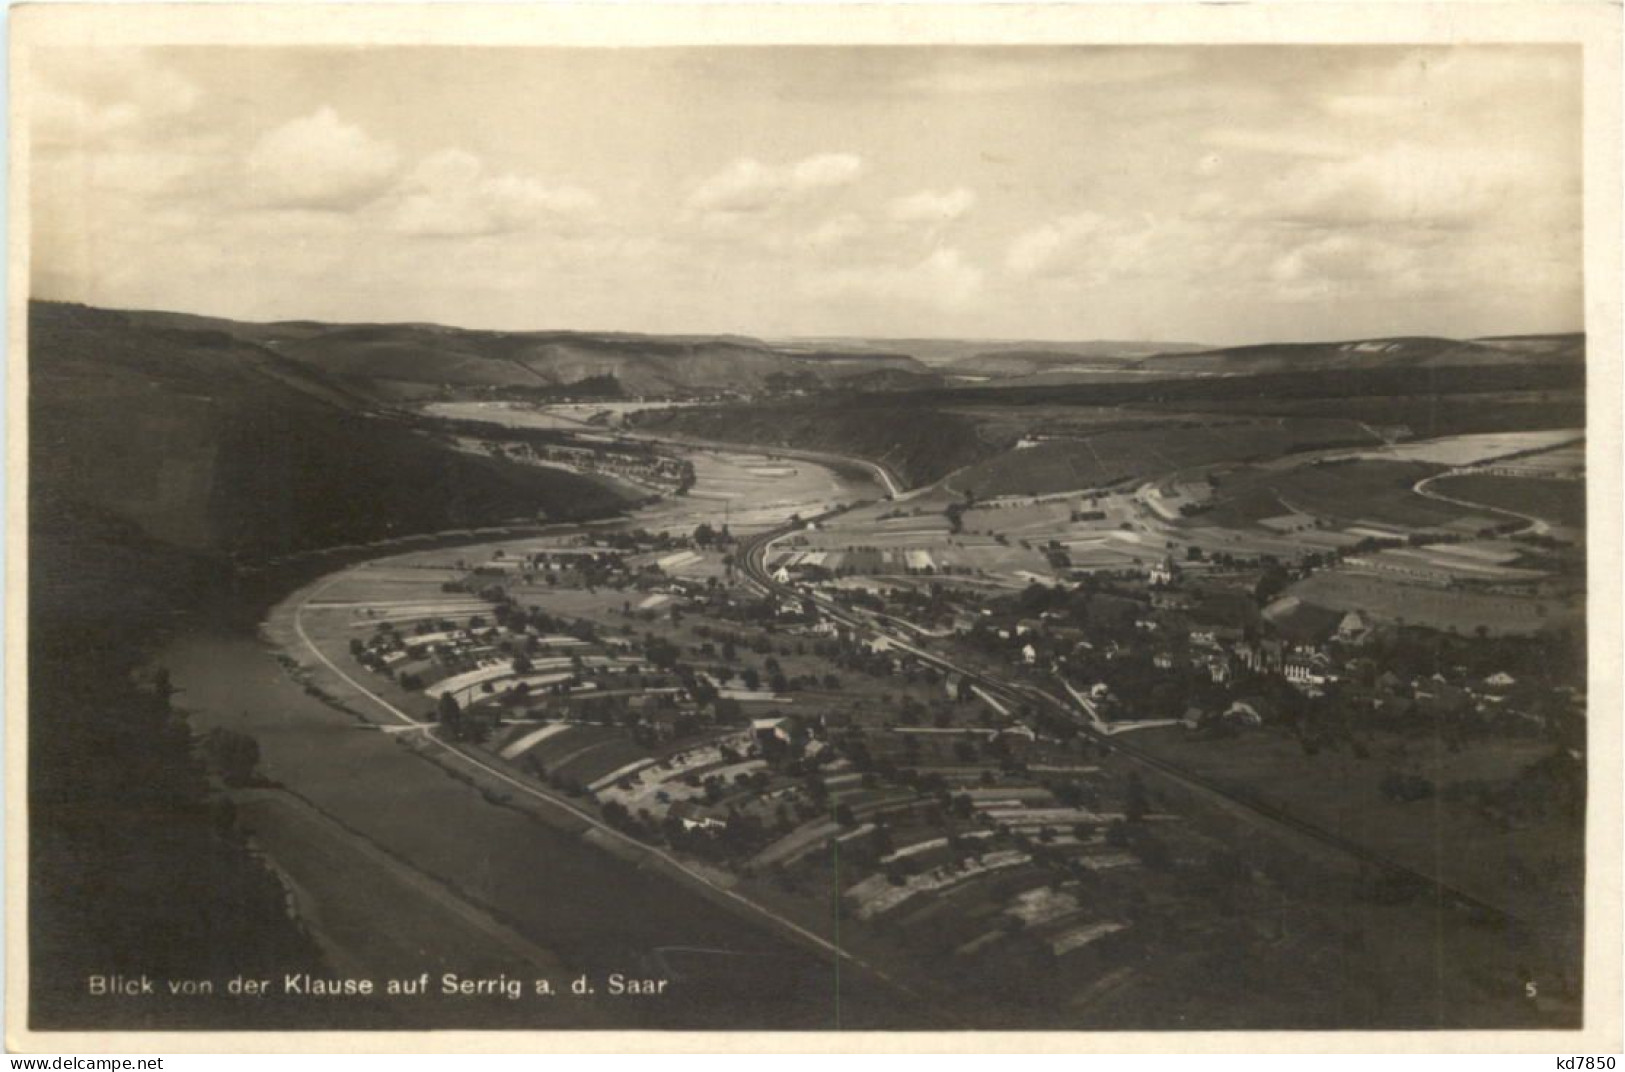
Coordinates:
(770,339)
(1223,193)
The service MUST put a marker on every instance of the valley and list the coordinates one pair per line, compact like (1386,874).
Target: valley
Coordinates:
(1063,691)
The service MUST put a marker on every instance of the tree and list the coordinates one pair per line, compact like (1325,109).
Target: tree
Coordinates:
(449,713)
(234,755)
(1270,583)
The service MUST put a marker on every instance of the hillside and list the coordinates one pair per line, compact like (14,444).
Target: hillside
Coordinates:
(1394,353)
(415,360)
(963,355)
(209,443)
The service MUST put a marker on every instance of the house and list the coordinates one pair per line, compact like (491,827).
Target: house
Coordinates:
(1355,628)
(1498,680)
(1264,657)
(1245,712)
(1164,573)
(1029,654)
(1221,668)
(782,575)
(1170,599)
(1302,670)
(771,727)
(696,816)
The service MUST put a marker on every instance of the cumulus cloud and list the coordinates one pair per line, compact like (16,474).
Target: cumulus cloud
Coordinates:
(943,280)
(1056,247)
(1322,266)
(452,193)
(749,187)
(833,233)
(1416,185)
(91,96)
(932,206)
(319,161)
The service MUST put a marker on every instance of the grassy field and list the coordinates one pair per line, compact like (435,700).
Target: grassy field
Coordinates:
(1428,415)
(1520,870)
(1562,502)
(1347,491)
(1435,608)
(1115,457)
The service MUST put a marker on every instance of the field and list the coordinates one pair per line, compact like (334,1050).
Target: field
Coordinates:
(1428,414)
(1351,492)
(1468,449)
(1115,457)
(1341,793)
(1561,502)
(1436,608)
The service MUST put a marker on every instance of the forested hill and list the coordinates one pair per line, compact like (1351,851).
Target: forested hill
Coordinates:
(414,361)
(216,445)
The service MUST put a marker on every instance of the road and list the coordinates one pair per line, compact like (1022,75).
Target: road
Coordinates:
(1538,525)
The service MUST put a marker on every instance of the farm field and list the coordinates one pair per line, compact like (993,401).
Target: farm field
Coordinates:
(1428,415)
(1434,607)
(1561,502)
(1342,793)
(1348,491)
(1115,457)
(1469,449)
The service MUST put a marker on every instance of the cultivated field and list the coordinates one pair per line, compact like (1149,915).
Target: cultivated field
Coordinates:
(1561,502)
(1342,793)
(1348,491)
(1116,457)
(1434,607)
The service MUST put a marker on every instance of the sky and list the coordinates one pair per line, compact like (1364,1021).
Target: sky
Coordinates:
(1216,194)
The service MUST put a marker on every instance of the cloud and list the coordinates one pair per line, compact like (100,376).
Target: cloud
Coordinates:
(1016,69)
(942,280)
(932,206)
(1056,248)
(1332,263)
(320,162)
(748,187)
(451,193)
(1402,184)
(833,233)
(98,95)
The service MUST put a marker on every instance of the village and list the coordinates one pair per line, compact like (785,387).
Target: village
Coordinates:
(646,676)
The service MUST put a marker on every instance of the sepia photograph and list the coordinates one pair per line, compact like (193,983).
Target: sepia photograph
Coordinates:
(777,526)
